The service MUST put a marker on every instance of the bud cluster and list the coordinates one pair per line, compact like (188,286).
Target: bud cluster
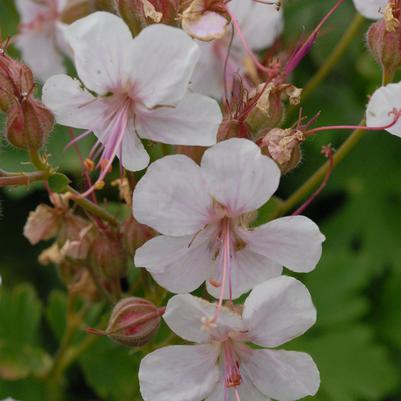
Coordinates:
(29,122)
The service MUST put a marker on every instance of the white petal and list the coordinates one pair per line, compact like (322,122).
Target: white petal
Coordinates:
(179,264)
(163,59)
(372,9)
(283,375)
(238,176)
(209,26)
(101,58)
(171,197)
(380,107)
(247,270)
(194,121)
(277,311)
(72,105)
(39,51)
(179,373)
(208,76)
(184,315)
(134,156)
(293,241)
(260,23)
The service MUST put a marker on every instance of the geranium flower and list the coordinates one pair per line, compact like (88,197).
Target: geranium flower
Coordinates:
(383,109)
(204,214)
(260,25)
(41,38)
(223,366)
(141,90)
(372,9)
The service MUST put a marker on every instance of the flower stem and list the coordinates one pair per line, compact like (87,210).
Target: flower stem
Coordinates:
(334,57)
(8,179)
(302,192)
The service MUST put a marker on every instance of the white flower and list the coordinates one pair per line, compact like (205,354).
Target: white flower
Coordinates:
(203,213)
(260,25)
(384,108)
(222,366)
(372,9)
(40,38)
(141,86)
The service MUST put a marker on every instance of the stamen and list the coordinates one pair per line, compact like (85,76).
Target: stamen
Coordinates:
(232,375)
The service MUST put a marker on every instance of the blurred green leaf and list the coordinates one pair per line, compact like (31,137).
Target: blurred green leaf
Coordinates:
(111,370)
(58,182)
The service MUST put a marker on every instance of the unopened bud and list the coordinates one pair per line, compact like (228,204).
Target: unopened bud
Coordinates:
(29,124)
(76,9)
(283,146)
(384,40)
(133,322)
(107,255)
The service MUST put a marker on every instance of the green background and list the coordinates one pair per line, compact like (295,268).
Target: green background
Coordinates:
(356,287)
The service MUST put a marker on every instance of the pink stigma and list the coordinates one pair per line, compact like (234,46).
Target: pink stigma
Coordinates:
(232,375)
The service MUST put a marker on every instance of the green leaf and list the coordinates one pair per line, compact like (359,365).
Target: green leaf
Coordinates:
(56,312)
(58,182)
(111,370)
(352,365)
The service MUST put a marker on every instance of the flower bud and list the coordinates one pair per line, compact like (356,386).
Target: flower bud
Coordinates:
(76,9)
(29,124)
(384,39)
(133,322)
(107,255)
(283,146)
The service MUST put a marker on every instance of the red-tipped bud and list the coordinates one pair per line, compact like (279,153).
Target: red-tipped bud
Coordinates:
(107,255)
(133,322)
(384,39)
(28,124)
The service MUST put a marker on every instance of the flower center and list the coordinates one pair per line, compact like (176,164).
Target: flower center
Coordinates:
(232,374)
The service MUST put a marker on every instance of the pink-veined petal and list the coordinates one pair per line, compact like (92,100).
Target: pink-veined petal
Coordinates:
(179,373)
(29,9)
(293,241)
(185,313)
(282,375)
(380,109)
(247,270)
(171,197)
(277,311)
(372,9)
(179,264)
(101,58)
(163,59)
(238,176)
(194,121)
(72,105)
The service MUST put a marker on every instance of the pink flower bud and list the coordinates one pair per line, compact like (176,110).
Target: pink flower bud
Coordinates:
(135,235)
(384,40)
(133,322)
